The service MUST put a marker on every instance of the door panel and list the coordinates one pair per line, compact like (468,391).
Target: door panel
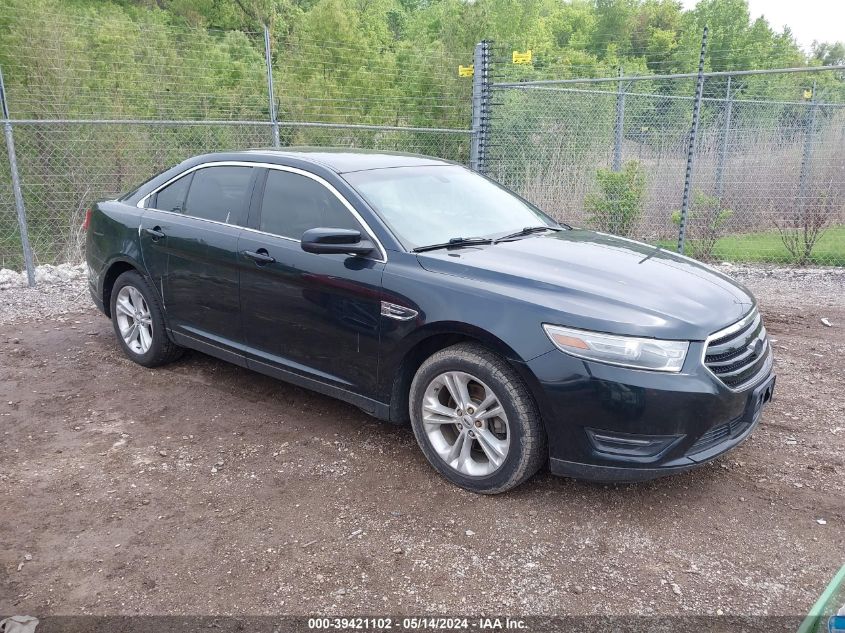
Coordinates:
(317,315)
(190,251)
(195,269)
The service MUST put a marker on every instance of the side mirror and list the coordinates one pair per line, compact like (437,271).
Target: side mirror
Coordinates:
(343,241)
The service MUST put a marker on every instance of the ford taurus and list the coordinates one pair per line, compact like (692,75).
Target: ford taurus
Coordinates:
(427,294)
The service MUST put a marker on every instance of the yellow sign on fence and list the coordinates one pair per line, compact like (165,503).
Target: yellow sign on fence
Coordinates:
(522,58)
(465,71)
(808,94)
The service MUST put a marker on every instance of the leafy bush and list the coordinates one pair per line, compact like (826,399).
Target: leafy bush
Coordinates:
(617,206)
(705,220)
(802,228)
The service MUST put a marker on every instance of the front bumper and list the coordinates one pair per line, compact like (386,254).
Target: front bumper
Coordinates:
(607,423)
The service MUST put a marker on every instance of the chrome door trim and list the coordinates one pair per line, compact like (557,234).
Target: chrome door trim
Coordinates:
(295,170)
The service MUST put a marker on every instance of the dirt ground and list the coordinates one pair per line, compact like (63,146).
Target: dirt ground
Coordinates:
(204,488)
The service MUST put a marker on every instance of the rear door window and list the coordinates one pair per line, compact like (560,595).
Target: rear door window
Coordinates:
(293,203)
(219,193)
(172,197)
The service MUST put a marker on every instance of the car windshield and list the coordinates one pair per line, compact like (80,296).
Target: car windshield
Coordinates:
(435,204)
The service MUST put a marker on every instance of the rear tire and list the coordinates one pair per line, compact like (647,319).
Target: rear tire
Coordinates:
(138,321)
(475,420)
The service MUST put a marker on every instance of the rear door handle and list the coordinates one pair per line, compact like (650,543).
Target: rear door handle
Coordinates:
(156,233)
(261,256)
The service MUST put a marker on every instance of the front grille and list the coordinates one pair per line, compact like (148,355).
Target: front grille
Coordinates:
(738,354)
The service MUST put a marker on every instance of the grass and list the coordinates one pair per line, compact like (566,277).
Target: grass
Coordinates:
(767,247)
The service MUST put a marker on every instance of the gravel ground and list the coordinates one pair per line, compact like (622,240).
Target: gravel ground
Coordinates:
(203,488)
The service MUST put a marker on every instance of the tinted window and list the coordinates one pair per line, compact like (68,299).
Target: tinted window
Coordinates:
(172,197)
(292,204)
(219,193)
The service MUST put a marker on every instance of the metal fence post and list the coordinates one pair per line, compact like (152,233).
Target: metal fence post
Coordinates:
(480,107)
(270,93)
(619,126)
(807,155)
(696,112)
(723,143)
(16,187)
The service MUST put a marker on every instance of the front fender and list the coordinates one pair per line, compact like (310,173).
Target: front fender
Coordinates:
(449,306)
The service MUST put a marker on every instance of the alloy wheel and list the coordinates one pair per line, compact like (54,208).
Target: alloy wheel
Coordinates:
(465,423)
(134,319)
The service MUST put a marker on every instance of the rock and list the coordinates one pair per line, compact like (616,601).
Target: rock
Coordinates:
(27,556)
(821,521)
(469,533)
(826,322)
(163,453)
(11,279)
(676,589)
(578,589)
(397,550)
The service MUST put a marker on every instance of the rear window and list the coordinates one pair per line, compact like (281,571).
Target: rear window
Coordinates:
(172,197)
(219,193)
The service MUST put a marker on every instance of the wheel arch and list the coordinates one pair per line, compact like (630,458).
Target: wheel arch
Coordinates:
(433,338)
(114,270)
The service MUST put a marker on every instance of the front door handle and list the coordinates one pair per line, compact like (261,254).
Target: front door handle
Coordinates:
(156,233)
(261,256)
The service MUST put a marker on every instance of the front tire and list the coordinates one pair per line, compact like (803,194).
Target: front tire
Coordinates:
(138,321)
(475,420)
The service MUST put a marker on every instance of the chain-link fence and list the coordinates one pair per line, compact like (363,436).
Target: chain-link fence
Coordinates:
(64,166)
(103,101)
(767,165)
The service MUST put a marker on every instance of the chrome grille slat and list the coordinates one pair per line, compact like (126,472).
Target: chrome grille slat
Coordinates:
(713,364)
(743,367)
(740,340)
(738,354)
(737,329)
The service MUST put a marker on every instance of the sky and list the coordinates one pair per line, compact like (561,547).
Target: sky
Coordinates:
(809,20)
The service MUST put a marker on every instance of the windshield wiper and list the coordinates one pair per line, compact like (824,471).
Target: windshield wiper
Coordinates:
(528,230)
(455,241)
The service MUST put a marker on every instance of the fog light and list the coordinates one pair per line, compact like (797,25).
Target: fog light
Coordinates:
(630,445)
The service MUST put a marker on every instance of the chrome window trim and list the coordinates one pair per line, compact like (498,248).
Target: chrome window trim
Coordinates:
(294,170)
(735,327)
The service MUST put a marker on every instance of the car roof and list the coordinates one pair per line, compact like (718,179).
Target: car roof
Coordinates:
(342,160)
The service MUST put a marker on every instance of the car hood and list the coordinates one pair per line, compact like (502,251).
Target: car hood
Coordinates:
(601,282)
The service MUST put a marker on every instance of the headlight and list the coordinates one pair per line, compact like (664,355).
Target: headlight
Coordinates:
(628,351)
